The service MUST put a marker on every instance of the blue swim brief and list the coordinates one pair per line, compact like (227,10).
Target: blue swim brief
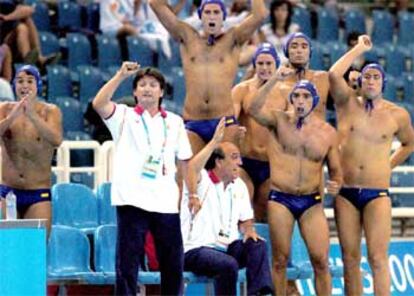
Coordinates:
(26,198)
(360,197)
(205,128)
(297,204)
(258,170)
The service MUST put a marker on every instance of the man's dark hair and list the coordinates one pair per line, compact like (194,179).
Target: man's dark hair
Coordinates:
(352,36)
(275,4)
(218,153)
(149,71)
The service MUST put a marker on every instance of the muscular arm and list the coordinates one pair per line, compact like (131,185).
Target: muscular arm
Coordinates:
(7,118)
(405,135)
(339,88)
(245,30)
(168,19)
(262,115)
(51,128)
(21,12)
(333,161)
(237,94)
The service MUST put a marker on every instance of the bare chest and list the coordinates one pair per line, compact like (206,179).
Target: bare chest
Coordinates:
(310,144)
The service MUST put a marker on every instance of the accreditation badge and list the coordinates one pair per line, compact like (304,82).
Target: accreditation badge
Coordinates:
(151,167)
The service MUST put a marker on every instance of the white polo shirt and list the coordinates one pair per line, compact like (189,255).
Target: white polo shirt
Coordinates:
(132,149)
(217,204)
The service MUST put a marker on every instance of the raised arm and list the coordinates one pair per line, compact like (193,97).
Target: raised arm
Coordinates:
(237,94)
(168,19)
(102,102)
(334,166)
(245,30)
(339,88)
(21,12)
(198,162)
(405,135)
(266,117)
(6,117)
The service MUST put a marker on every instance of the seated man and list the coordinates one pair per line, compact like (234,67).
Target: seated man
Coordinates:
(211,236)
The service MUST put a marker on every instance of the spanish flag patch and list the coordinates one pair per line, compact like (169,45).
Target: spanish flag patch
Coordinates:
(44,195)
(318,197)
(383,194)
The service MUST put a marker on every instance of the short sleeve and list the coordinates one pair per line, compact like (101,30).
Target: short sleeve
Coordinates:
(184,151)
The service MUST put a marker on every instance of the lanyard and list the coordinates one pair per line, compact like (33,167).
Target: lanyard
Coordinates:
(148,135)
(222,209)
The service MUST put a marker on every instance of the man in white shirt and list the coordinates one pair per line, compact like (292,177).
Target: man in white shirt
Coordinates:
(211,235)
(148,141)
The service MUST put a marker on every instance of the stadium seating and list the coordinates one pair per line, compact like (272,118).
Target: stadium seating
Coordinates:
(140,51)
(165,64)
(106,212)
(328,29)
(41,16)
(69,16)
(79,50)
(109,52)
(354,22)
(395,60)
(75,205)
(303,19)
(91,80)
(93,17)
(72,113)
(49,43)
(68,257)
(408,87)
(59,83)
(406,26)
(383,29)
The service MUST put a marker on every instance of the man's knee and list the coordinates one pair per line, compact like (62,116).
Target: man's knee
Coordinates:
(22,29)
(320,263)
(280,262)
(378,260)
(352,259)
(230,267)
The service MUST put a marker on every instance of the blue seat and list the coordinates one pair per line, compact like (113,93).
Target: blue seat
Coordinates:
(81,158)
(72,113)
(354,22)
(390,91)
(59,83)
(109,52)
(69,16)
(302,17)
(140,51)
(49,43)
(75,205)
(93,16)
(87,179)
(383,29)
(300,258)
(165,64)
(90,81)
(395,60)
(317,61)
(179,92)
(106,212)
(408,87)
(328,29)
(69,257)
(406,27)
(105,242)
(335,51)
(172,106)
(79,50)
(41,16)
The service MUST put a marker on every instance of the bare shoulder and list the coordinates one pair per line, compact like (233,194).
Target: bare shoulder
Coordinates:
(398,112)
(50,109)
(317,74)
(328,130)
(5,108)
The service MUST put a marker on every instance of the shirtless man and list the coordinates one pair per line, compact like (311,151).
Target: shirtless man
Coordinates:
(30,131)
(367,125)
(210,60)
(298,49)
(299,144)
(255,170)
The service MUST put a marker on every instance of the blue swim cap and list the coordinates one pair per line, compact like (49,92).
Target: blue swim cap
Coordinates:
(377,67)
(290,39)
(266,48)
(31,70)
(310,87)
(205,2)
